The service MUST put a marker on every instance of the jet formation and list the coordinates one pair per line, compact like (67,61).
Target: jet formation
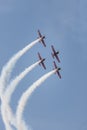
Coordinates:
(54,54)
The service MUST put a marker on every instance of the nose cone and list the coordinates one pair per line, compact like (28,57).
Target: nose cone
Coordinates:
(59,68)
(57,52)
(43,37)
(43,60)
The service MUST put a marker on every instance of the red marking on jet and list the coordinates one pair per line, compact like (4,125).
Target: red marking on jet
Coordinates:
(55,53)
(42,61)
(42,38)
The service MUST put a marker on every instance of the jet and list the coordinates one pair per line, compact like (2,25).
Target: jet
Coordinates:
(42,61)
(42,38)
(57,71)
(55,53)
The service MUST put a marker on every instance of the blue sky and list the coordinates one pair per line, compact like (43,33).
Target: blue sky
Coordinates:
(57,104)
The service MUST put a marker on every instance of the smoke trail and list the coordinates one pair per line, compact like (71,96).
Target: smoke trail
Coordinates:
(10,89)
(26,95)
(5,75)
(5,116)
(7,69)
(7,113)
(24,126)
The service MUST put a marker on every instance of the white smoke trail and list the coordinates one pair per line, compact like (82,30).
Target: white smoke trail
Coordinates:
(9,91)
(12,86)
(24,126)
(7,69)
(5,75)
(26,95)
(5,116)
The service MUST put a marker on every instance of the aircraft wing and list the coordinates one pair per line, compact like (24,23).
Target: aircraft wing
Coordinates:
(43,42)
(39,34)
(55,65)
(53,48)
(39,56)
(58,74)
(57,58)
(43,65)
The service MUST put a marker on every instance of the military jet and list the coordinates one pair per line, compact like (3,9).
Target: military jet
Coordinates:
(55,53)
(42,61)
(57,72)
(42,38)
